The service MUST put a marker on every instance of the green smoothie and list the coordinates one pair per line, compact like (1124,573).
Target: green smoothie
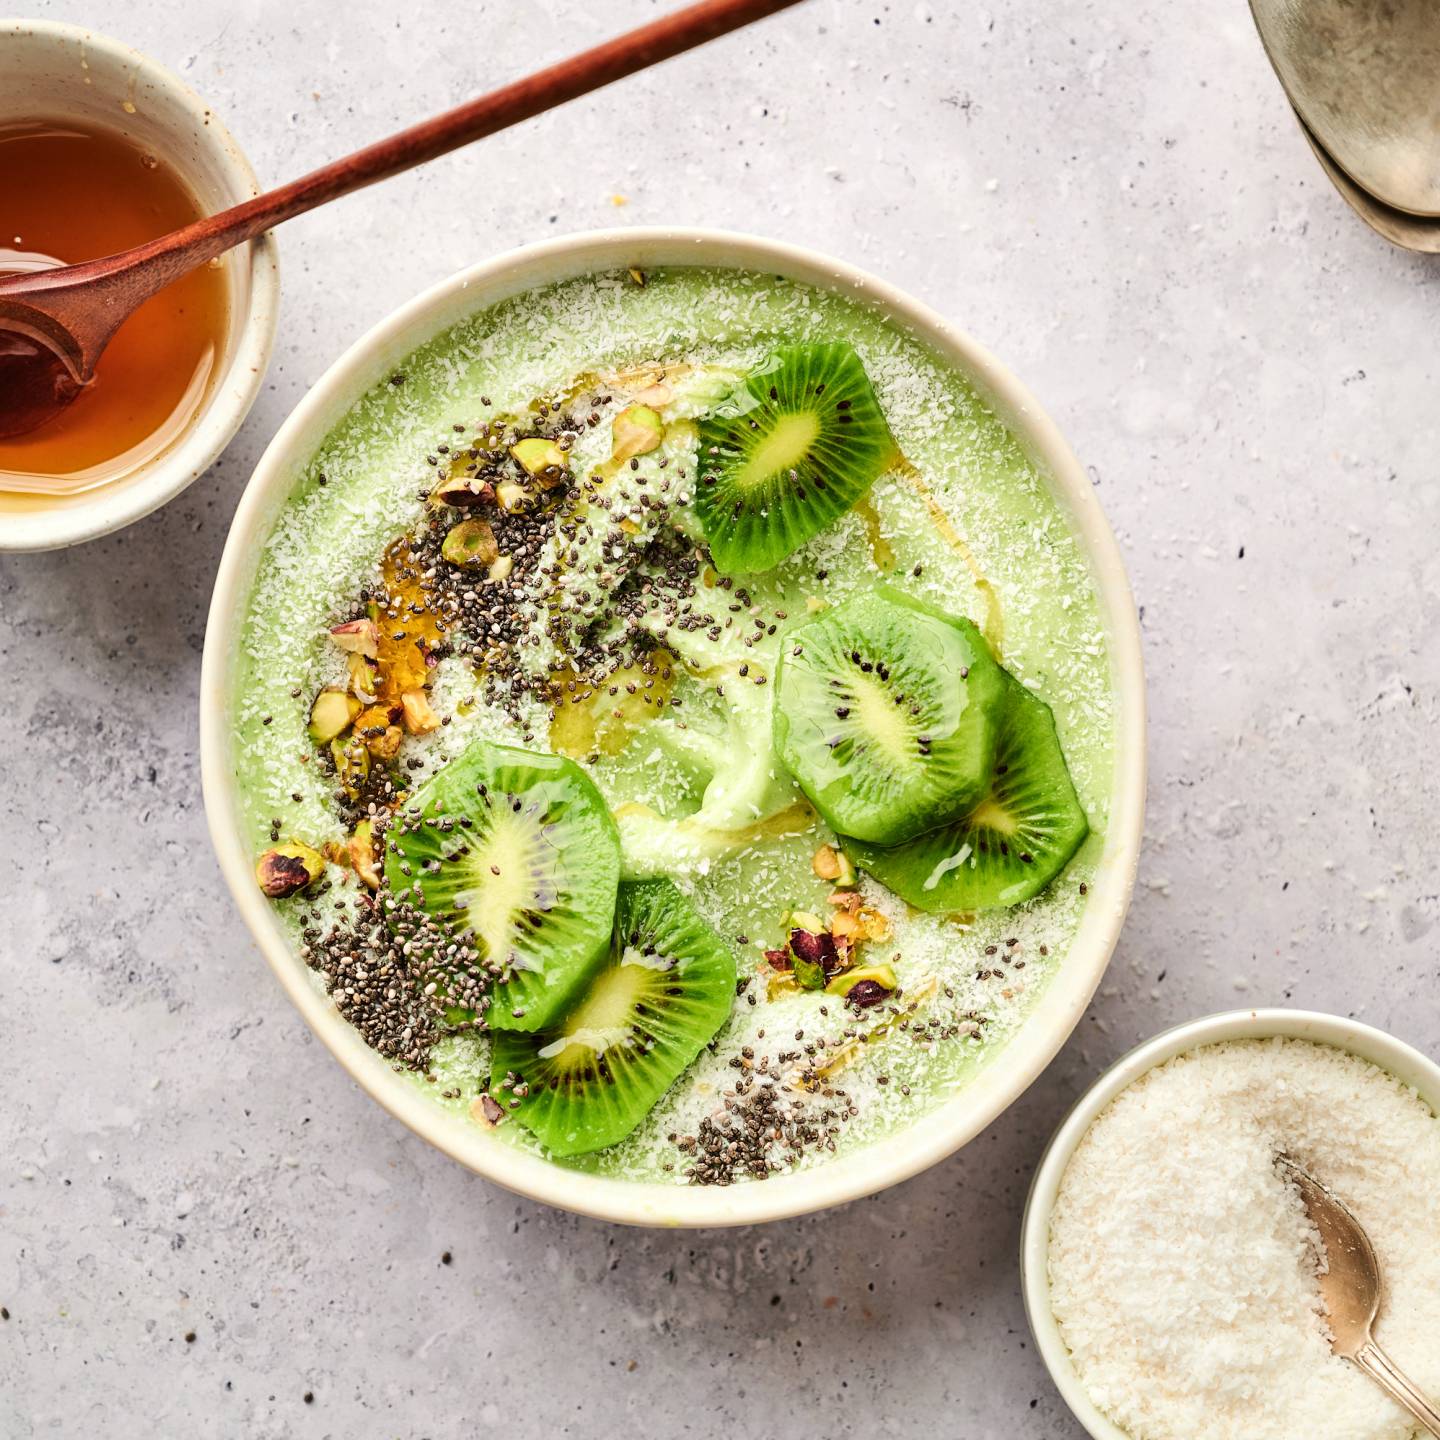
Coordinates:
(596,609)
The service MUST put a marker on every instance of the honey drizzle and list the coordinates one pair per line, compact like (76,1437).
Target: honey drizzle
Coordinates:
(993,626)
(846,1054)
(881,551)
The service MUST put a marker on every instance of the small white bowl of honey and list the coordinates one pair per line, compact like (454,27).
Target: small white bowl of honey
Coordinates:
(102,149)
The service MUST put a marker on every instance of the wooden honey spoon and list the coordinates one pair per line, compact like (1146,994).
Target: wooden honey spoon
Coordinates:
(55,323)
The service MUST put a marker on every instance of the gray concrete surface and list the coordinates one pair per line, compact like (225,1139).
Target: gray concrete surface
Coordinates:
(203,1222)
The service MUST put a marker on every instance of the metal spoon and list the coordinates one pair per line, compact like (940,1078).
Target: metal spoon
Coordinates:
(1410,232)
(54,323)
(1362,75)
(1351,1289)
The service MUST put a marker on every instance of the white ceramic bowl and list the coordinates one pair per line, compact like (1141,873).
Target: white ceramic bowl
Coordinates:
(50,71)
(935,1135)
(1401,1060)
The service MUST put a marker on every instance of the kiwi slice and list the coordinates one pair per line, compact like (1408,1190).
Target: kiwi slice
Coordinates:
(1013,844)
(520,850)
(887,713)
(798,443)
(642,1019)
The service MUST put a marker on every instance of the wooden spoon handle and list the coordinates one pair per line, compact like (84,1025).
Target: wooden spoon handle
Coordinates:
(153,265)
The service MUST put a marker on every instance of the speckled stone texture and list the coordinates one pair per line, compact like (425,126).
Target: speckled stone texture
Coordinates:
(207,1230)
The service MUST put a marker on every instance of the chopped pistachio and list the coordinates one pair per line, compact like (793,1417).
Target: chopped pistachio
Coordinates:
(385,745)
(512,497)
(780,983)
(501,567)
(364,675)
(542,459)
(636,430)
(361,847)
(809,974)
(487,1111)
(358,637)
(804,920)
(826,863)
(352,765)
(463,491)
(288,869)
(881,975)
(656,396)
(818,947)
(331,715)
(471,542)
(420,719)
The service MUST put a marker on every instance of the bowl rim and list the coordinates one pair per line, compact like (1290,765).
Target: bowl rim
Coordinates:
(1393,1055)
(233,390)
(942,1130)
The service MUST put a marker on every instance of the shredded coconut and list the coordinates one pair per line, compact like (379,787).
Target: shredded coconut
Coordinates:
(1184,1272)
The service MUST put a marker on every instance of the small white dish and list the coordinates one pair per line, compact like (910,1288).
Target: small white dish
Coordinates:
(52,71)
(1395,1056)
(934,1135)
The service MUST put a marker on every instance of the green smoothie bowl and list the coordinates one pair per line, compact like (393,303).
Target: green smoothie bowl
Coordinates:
(672,718)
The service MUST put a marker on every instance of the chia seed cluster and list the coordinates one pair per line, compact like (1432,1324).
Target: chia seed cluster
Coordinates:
(394,973)
(764,1125)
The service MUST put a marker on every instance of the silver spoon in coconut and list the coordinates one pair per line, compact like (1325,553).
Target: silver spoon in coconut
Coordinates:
(1351,1289)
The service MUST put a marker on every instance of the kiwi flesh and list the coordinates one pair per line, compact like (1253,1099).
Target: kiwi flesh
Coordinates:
(793,448)
(520,850)
(887,714)
(643,1018)
(1010,847)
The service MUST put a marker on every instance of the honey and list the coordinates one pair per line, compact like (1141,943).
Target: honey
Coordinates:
(70,192)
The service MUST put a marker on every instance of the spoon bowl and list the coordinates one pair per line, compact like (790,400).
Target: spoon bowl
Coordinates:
(1351,1290)
(1409,232)
(39,374)
(35,381)
(1361,74)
